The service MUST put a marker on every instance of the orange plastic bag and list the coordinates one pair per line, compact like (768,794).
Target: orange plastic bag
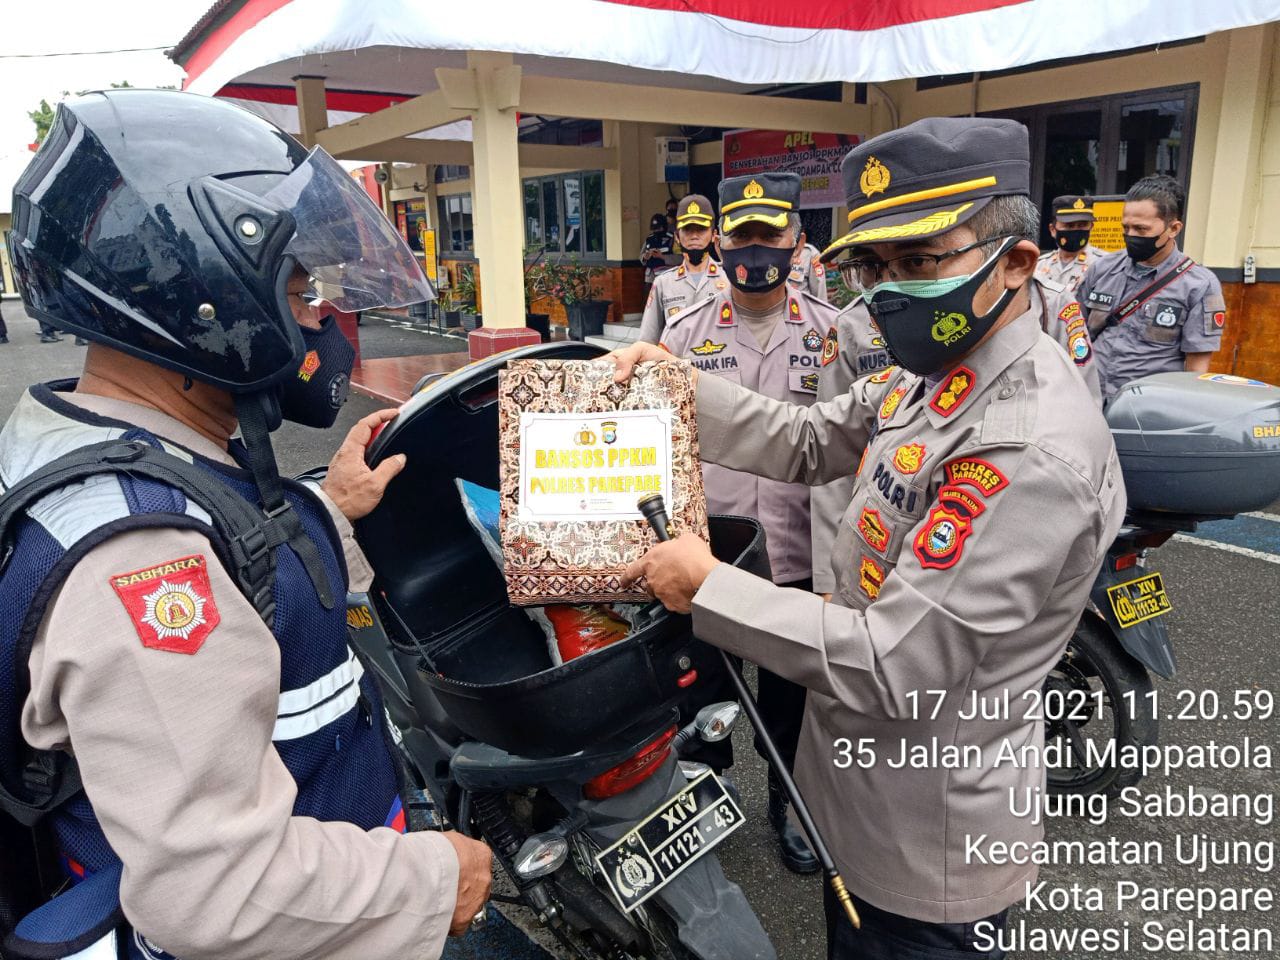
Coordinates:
(584,628)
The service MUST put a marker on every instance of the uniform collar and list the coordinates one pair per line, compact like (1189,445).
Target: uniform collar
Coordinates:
(963,385)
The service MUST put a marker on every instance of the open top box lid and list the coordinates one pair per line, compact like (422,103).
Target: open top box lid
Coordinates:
(432,566)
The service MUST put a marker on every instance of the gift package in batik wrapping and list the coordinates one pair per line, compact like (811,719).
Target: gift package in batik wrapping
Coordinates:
(577,451)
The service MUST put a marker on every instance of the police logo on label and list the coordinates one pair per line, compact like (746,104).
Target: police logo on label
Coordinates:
(1168,317)
(633,875)
(771,274)
(812,341)
(707,348)
(950,328)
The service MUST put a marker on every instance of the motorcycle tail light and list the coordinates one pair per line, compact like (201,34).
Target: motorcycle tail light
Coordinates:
(1126,561)
(627,774)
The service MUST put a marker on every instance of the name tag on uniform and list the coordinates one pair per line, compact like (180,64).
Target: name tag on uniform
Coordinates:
(1102,299)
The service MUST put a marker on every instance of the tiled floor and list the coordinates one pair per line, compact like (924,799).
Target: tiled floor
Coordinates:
(391,379)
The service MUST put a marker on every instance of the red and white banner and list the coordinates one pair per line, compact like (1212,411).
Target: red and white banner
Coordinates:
(746,41)
(814,156)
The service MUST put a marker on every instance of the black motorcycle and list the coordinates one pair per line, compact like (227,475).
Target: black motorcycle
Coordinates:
(1192,448)
(571,772)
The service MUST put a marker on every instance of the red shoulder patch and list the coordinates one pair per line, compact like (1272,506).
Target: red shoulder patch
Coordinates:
(951,394)
(171,604)
(830,346)
(940,542)
(1069,312)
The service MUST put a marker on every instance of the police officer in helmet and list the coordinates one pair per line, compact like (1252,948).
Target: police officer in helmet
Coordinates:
(237,779)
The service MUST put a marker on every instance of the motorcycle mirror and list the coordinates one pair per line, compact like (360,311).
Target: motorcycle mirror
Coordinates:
(716,721)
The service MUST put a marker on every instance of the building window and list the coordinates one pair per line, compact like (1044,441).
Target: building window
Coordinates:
(564,214)
(449,172)
(456,234)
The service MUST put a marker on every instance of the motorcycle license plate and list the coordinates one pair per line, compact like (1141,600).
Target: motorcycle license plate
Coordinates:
(1138,600)
(662,844)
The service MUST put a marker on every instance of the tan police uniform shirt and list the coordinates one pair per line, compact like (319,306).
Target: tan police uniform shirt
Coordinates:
(675,290)
(808,273)
(1050,266)
(717,341)
(853,349)
(1185,316)
(980,516)
(177,760)
(1061,318)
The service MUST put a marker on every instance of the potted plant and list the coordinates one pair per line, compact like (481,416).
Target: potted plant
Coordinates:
(449,307)
(572,284)
(535,288)
(465,290)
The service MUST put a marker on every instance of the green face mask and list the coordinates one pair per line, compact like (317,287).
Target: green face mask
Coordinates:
(929,324)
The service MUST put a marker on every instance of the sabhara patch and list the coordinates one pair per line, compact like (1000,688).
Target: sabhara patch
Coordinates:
(870,578)
(873,530)
(940,542)
(952,393)
(171,604)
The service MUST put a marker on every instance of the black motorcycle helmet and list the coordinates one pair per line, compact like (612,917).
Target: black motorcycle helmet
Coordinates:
(166,225)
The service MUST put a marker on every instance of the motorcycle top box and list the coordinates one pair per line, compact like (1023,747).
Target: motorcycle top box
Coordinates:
(1198,444)
(444,601)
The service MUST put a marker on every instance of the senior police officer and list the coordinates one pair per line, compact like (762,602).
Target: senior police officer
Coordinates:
(1073,253)
(808,272)
(1150,307)
(986,498)
(234,761)
(698,276)
(768,337)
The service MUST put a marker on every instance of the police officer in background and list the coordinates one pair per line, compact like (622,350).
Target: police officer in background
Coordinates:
(1150,307)
(767,336)
(656,253)
(987,497)
(234,762)
(853,349)
(808,272)
(1073,253)
(698,275)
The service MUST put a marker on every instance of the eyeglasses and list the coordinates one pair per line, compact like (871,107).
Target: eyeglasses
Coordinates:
(863,273)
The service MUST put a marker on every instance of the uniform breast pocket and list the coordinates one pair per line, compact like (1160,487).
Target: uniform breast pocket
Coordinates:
(1162,321)
(803,380)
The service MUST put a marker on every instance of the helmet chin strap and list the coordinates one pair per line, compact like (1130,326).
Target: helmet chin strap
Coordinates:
(259,414)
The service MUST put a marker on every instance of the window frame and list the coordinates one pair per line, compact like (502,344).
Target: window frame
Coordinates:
(582,231)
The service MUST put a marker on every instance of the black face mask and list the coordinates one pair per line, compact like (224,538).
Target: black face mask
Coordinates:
(695,256)
(314,395)
(1142,248)
(757,268)
(1072,241)
(926,334)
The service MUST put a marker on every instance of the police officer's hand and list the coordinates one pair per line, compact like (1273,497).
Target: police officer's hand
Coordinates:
(350,483)
(627,357)
(675,570)
(475,878)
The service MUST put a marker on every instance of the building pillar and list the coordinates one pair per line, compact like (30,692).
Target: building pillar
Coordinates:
(495,204)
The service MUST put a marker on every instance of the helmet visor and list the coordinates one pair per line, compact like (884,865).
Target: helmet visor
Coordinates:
(354,256)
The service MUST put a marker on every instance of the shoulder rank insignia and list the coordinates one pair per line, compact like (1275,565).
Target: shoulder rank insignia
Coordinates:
(680,271)
(952,393)
(726,315)
(707,348)
(940,542)
(793,311)
(712,269)
(818,269)
(812,342)
(171,604)
(830,346)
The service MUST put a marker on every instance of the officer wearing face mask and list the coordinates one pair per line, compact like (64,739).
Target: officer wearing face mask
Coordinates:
(181,716)
(698,275)
(809,273)
(767,336)
(1150,307)
(1073,253)
(983,505)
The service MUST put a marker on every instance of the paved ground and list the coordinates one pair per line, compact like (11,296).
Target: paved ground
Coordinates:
(1223,582)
